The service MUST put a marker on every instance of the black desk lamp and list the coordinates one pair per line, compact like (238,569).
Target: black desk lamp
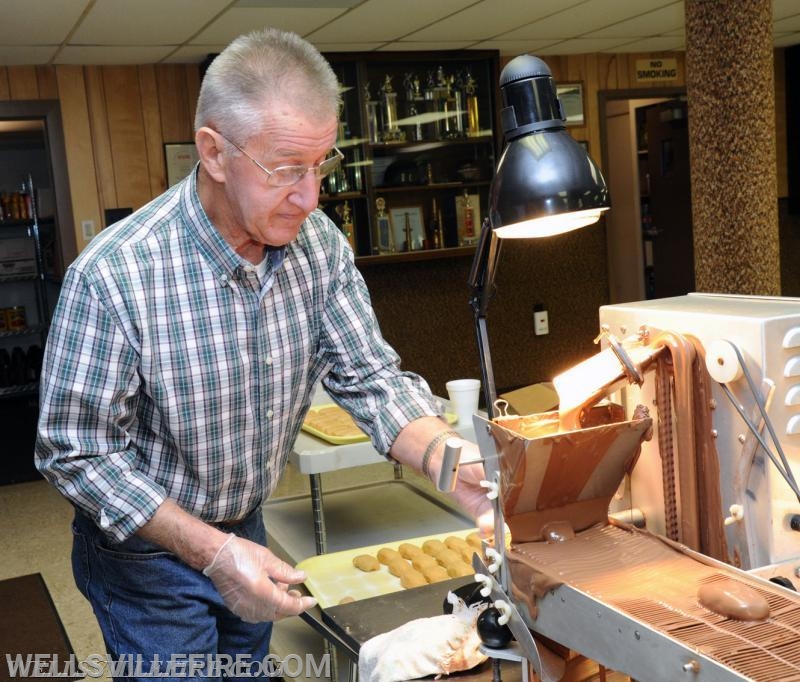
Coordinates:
(545,184)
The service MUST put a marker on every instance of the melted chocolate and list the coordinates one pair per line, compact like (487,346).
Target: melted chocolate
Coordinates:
(732,599)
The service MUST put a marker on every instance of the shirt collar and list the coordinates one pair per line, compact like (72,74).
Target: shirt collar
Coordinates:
(218,253)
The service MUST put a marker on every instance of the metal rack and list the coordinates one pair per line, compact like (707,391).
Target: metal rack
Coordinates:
(30,228)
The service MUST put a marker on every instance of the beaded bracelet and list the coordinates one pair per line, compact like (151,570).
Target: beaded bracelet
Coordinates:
(438,438)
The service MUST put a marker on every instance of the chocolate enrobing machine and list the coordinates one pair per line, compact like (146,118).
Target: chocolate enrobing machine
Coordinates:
(687,425)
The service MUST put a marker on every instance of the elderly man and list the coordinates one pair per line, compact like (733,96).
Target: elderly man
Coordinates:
(184,353)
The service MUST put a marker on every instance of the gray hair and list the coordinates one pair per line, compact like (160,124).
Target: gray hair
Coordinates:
(260,66)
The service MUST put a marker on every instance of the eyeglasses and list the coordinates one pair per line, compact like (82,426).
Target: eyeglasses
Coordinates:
(284,176)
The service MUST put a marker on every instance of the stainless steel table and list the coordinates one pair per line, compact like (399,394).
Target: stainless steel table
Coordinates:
(313,456)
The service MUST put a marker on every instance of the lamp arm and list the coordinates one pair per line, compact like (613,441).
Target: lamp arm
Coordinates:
(481,279)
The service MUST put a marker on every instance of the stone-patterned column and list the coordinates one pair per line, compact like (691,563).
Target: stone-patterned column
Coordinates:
(730,86)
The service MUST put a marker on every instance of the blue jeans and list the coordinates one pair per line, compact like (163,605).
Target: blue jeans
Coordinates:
(149,602)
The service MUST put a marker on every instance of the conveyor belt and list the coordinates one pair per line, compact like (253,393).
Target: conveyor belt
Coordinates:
(628,599)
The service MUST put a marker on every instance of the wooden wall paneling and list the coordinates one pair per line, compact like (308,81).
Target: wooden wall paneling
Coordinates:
(576,72)
(46,82)
(22,82)
(101,139)
(192,77)
(5,88)
(590,88)
(606,71)
(154,141)
(629,74)
(172,95)
(78,142)
(126,131)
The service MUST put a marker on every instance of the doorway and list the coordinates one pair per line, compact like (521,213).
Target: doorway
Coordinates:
(645,153)
(51,179)
(38,241)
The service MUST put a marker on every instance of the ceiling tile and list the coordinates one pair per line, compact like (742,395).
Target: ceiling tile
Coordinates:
(384,20)
(97,54)
(26,54)
(784,8)
(787,40)
(239,20)
(421,46)
(589,16)
(657,22)
(657,44)
(585,46)
(512,48)
(485,19)
(192,54)
(789,24)
(33,22)
(188,30)
(313,4)
(347,47)
(155,22)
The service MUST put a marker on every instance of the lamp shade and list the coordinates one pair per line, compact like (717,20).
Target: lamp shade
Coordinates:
(545,182)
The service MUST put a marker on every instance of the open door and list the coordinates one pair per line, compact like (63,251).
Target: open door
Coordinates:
(667,202)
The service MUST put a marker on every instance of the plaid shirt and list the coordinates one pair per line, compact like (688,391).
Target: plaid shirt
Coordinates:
(172,371)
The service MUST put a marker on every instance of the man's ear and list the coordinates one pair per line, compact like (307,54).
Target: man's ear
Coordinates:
(211,149)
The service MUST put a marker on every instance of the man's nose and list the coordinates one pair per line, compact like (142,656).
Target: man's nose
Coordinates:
(305,192)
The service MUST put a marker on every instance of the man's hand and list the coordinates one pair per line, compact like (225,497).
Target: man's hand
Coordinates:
(468,492)
(254,583)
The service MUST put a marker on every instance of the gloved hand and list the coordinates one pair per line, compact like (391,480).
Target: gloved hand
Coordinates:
(468,492)
(254,583)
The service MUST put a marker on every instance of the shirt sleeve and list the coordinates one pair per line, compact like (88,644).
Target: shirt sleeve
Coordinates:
(88,398)
(366,378)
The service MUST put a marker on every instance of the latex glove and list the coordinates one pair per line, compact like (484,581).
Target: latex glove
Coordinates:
(468,492)
(254,583)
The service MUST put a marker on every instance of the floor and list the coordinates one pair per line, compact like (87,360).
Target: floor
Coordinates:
(35,528)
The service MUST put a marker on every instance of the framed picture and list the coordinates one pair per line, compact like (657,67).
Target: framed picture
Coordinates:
(180,159)
(571,96)
(409,228)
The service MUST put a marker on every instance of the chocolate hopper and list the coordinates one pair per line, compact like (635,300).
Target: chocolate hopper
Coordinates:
(626,598)
(555,477)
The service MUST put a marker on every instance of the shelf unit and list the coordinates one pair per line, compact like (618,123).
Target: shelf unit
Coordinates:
(23,290)
(418,131)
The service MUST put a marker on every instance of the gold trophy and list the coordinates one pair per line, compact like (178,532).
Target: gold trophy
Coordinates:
(391,131)
(348,227)
(473,123)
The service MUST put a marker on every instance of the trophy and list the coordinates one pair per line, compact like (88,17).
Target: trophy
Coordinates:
(473,124)
(435,236)
(465,214)
(372,116)
(384,236)
(414,105)
(391,131)
(348,227)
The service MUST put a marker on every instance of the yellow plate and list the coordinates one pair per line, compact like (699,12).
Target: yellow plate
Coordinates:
(352,434)
(332,577)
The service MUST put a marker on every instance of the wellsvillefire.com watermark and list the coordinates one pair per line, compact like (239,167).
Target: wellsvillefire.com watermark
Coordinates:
(174,666)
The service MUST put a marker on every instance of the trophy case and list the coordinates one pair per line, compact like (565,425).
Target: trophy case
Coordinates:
(419,138)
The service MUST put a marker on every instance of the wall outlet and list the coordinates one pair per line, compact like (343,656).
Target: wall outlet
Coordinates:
(87,227)
(541,324)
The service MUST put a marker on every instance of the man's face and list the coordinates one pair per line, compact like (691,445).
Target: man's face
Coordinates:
(273,215)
